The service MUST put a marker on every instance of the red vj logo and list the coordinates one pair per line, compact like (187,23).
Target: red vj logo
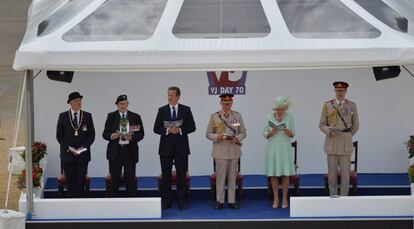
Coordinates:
(223,84)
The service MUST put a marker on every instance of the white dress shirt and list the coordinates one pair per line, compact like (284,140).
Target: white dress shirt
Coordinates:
(176,109)
(176,115)
(73,116)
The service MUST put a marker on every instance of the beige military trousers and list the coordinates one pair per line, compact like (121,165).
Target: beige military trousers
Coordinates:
(226,169)
(343,161)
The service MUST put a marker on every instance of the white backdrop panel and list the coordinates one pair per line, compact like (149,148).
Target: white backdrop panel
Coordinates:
(385,110)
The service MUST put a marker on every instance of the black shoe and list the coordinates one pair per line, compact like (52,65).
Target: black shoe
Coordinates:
(234,206)
(183,204)
(166,205)
(218,206)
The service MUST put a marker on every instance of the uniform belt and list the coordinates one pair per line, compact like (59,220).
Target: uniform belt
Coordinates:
(347,130)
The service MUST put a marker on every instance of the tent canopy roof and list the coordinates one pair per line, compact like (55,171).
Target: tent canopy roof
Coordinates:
(134,35)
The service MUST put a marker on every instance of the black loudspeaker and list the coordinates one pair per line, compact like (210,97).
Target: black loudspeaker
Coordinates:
(386,72)
(61,76)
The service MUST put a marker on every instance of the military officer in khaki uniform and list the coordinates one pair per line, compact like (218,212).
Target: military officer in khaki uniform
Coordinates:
(226,129)
(339,121)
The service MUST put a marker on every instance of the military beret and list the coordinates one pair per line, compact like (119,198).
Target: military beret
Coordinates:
(121,98)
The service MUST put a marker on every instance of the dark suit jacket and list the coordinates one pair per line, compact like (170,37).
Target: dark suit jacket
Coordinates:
(112,125)
(167,142)
(65,136)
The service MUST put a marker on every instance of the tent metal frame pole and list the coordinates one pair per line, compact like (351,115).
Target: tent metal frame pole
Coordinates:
(29,141)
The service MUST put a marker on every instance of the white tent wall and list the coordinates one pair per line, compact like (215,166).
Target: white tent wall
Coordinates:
(385,113)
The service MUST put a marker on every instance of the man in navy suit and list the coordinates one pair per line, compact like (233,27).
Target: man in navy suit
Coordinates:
(123,130)
(174,122)
(75,133)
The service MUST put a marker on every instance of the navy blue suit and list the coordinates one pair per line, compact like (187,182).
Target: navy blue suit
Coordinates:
(174,149)
(75,167)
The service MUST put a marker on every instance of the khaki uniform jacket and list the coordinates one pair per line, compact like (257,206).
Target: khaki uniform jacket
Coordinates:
(341,143)
(225,149)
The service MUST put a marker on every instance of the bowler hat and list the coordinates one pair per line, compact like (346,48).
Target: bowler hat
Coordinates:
(74,95)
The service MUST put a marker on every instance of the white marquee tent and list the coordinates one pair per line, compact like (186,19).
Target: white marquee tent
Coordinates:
(201,35)
(216,34)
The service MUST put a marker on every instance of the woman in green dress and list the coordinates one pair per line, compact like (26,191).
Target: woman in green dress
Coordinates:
(279,129)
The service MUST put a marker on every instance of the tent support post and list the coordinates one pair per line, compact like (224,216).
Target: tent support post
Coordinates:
(29,141)
(409,72)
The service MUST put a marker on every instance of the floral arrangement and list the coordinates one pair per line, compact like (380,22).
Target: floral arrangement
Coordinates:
(410,147)
(37,178)
(411,173)
(39,150)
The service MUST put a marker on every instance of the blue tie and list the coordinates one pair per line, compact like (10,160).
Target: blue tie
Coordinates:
(75,119)
(174,114)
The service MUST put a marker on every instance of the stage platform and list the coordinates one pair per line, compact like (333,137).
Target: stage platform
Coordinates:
(259,181)
(255,208)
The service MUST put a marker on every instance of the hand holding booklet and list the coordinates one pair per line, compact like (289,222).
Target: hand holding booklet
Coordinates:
(123,135)
(277,127)
(172,124)
(77,151)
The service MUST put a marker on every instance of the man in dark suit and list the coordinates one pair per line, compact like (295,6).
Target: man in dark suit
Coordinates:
(75,133)
(174,122)
(123,130)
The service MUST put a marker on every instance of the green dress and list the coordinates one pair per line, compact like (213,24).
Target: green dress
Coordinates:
(279,151)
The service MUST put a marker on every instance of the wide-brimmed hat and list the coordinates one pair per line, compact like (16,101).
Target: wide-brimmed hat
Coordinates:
(281,102)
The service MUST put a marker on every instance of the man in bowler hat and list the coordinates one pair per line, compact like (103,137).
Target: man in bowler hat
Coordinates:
(75,133)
